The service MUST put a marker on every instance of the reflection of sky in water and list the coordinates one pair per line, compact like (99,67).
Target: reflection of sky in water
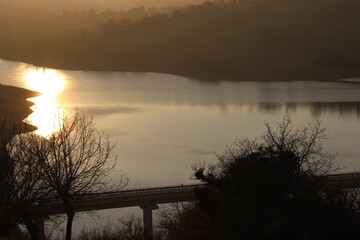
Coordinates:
(169,89)
(47,115)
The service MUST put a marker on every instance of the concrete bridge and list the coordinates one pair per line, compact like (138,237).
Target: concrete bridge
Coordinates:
(127,198)
(148,198)
(343,180)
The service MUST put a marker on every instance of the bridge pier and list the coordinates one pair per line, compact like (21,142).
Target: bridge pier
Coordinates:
(147,219)
(40,223)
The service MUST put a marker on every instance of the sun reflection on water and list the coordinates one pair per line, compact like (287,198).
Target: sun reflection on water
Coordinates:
(48,114)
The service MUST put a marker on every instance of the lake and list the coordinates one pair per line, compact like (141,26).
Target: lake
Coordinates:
(162,124)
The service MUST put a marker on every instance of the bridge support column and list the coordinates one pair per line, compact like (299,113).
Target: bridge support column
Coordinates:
(40,224)
(147,219)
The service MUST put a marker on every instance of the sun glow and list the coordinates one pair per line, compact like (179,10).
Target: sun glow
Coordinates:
(47,115)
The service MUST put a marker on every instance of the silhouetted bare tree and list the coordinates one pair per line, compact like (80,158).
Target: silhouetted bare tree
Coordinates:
(305,143)
(22,184)
(76,160)
(20,181)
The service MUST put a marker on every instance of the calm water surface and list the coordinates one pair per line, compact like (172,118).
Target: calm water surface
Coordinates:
(164,123)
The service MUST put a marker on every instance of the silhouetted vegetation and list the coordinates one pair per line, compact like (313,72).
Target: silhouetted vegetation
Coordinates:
(21,184)
(178,221)
(261,39)
(74,160)
(129,228)
(20,181)
(270,189)
(183,221)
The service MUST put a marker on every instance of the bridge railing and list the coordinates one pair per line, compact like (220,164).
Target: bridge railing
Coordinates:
(131,192)
(344,180)
(145,190)
(341,180)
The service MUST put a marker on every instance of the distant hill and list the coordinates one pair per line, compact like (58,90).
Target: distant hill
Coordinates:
(234,40)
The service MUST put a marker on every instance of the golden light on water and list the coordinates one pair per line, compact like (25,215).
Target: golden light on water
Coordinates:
(47,115)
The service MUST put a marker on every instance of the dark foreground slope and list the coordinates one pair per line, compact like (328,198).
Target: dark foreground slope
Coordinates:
(238,40)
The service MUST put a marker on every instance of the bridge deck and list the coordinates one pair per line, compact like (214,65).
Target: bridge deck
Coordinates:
(127,198)
(161,195)
(344,180)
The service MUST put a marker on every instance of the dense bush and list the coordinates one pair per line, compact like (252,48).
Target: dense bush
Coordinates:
(271,188)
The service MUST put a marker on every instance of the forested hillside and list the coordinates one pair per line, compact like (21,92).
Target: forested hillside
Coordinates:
(83,5)
(260,39)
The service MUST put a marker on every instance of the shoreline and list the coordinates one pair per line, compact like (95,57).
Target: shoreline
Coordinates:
(287,75)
